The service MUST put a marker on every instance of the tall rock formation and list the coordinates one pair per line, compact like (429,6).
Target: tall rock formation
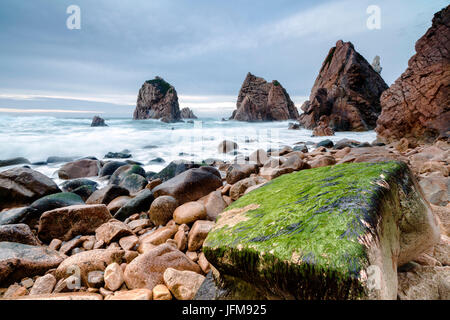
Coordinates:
(262,101)
(157,99)
(347,90)
(417,105)
(187,113)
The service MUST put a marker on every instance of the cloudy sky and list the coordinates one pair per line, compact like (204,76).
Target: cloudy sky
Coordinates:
(203,47)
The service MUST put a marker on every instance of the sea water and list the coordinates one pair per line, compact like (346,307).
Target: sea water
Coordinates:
(39,137)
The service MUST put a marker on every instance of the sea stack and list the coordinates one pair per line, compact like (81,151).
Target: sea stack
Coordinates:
(187,113)
(347,90)
(417,105)
(98,122)
(262,101)
(157,99)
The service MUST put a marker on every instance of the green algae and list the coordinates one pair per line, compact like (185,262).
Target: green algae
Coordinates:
(308,226)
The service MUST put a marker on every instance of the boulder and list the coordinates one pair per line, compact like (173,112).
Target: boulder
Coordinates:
(110,167)
(19,233)
(189,213)
(324,231)
(66,296)
(436,189)
(323,128)
(79,169)
(113,277)
(14,161)
(146,271)
(183,284)
(22,186)
(107,194)
(140,203)
(125,171)
(68,222)
(118,155)
(98,122)
(347,91)
(214,204)
(259,100)
(18,261)
(237,172)
(88,264)
(82,187)
(117,203)
(161,210)
(190,185)
(175,168)
(156,237)
(424,283)
(238,189)
(161,292)
(416,105)
(157,99)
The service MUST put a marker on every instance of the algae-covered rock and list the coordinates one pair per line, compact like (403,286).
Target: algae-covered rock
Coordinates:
(327,233)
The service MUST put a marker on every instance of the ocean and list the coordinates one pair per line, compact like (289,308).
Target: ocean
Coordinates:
(39,137)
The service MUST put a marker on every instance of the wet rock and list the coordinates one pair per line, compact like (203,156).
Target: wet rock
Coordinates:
(117,203)
(117,155)
(325,143)
(238,189)
(68,222)
(280,226)
(214,205)
(175,168)
(71,185)
(125,171)
(140,203)
(146,271)
(107,194)
(323,161)
(110,167)
(79,169)
(190,185)
(18,261)
(14,161)
(22,186)
(187,113)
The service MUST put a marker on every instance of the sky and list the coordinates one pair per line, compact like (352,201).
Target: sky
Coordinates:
(204,48)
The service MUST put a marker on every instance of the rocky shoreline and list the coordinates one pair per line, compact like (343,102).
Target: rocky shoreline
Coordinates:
(142,236)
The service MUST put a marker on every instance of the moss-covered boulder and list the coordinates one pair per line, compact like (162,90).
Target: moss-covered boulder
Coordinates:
(327,233)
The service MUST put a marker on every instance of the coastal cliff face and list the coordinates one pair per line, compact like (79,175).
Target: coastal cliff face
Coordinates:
(417,105)
(347,90)
(259,100)
(157,99)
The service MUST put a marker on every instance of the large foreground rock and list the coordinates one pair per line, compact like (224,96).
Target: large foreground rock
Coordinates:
(19,233)
(347,91)
(259,100)
(66,223)
(18,261)
(416,106)
(320,233)
(22,186)
(157,99)
(190,185)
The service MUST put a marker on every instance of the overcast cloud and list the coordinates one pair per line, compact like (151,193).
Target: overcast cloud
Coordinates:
(203,47)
